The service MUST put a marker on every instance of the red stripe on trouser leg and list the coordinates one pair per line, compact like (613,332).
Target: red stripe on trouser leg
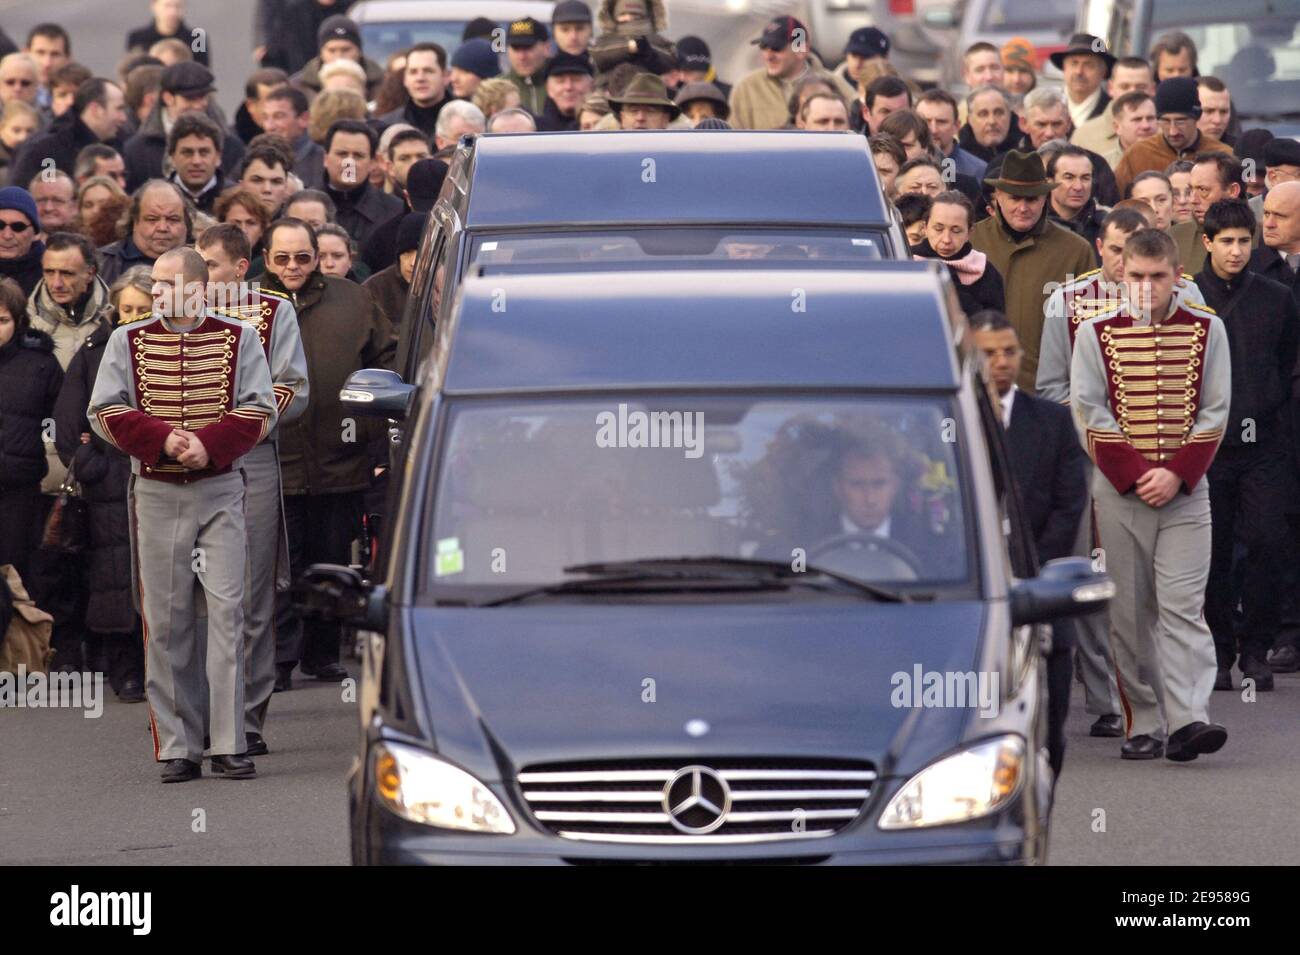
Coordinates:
(1110,639)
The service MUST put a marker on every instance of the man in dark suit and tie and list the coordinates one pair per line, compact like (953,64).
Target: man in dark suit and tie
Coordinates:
(1051,473)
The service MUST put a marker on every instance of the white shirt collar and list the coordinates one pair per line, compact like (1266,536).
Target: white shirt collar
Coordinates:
(851,528)
(1007,401)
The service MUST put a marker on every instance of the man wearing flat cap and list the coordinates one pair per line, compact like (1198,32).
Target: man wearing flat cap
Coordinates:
(1178,105)
(571,27)
(1033,254)
(569,81)
(186,86)
(1086,63)
(644,104)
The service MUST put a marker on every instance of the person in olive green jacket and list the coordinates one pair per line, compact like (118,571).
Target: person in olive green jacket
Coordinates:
(1034,255)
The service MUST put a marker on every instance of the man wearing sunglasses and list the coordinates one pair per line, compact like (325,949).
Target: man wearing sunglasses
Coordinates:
(1178,106)
(20,250)
(325,455)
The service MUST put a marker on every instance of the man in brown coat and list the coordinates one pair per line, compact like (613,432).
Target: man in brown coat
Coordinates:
(1178,106)
(1033,254)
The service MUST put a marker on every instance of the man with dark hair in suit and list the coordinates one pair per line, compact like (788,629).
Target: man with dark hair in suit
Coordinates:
(1051,473)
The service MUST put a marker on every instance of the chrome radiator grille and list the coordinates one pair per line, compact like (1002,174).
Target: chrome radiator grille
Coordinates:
(709,801)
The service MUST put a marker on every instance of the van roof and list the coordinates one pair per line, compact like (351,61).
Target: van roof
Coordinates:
(678,176)
(887,328)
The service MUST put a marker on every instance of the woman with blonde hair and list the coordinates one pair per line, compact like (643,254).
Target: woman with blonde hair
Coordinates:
(496,94)
(333,105)
(94,193)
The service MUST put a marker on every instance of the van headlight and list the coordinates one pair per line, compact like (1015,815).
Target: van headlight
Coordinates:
(966,785)
(422,788)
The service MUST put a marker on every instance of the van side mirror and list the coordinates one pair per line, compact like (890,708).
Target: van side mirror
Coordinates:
(338,594)
(378,393)
(1067,587)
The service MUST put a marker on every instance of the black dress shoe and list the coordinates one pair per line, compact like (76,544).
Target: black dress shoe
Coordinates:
(1259,671)
(1223,679)
(180,771)
(1142,747)
(256,745)
(233,767)
(1112,724)
(283,677)
(1284,660)
(1194,739)
(132,691)
(326,672)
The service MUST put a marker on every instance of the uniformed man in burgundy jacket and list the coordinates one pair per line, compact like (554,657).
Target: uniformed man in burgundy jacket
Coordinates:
(186,394)
(1150,386)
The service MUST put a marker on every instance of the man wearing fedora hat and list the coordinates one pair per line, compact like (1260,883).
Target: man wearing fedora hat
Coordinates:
(1033,254)
(699,101)
(1086,63)
(644,104)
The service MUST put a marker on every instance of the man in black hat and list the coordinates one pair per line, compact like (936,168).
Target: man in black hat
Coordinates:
(296,40)
(526,47)
(1282,161)
(391,286)
(632,32)
(1086,63)
(571,26)
(695,64)
(762,99)
(569,81)
(338,38)
(186,86)
(866,45)
(1178,106)
(644,104)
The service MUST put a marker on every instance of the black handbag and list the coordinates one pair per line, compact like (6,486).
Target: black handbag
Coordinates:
(67,528)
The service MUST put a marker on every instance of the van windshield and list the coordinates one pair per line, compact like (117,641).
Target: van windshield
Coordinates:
(866,488)
(1253,46)
(649,248)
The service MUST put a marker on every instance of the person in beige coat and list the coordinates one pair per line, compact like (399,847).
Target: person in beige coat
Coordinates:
(761,100)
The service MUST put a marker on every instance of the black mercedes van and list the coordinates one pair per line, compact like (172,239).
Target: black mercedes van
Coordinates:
(702,566)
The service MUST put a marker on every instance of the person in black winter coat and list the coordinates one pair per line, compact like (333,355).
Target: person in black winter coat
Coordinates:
(30,378)
(168,23)
(947,239)
(294,44)
(103,473)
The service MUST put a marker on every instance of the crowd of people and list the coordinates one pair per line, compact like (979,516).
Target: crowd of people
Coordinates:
(310,204)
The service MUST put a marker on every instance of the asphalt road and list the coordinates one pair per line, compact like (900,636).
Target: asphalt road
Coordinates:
(99,28)
(76,791)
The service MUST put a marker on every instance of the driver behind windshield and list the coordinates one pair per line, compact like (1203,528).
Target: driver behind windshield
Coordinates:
(866,485)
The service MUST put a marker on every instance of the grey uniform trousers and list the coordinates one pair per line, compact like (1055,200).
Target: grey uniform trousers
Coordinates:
(1159,559)
(263,513)
(188,533)
(1096,666)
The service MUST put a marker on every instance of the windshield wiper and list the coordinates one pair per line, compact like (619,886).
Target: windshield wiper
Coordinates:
(771,571)
(608,584)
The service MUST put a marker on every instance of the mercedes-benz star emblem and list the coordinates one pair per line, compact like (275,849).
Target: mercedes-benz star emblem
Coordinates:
(697,800)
